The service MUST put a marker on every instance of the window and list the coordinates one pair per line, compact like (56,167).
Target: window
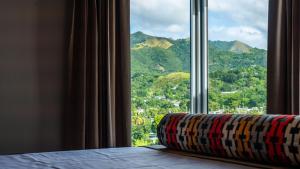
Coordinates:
(198,56)
(160,64)
(237,56)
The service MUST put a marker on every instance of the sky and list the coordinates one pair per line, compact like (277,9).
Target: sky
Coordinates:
(228,20)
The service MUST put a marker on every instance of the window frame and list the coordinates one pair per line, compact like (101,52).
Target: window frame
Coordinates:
(199,56)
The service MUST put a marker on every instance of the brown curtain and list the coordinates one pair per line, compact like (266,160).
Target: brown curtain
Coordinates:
(283,57)
(98,100)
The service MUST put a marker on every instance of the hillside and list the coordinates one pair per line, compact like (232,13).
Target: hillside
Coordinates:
(163,55)
(232,46)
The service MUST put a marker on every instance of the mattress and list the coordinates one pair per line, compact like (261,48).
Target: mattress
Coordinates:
(118,158)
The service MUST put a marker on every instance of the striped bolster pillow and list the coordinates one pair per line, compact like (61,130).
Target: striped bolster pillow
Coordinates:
(260,138)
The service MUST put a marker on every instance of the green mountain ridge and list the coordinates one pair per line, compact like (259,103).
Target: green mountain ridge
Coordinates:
(151,54)
(232,46)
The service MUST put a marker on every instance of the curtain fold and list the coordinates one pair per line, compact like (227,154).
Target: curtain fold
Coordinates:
(98,99)
(283,57)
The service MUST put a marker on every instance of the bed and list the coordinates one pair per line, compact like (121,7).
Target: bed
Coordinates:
(202,141)
(155,157)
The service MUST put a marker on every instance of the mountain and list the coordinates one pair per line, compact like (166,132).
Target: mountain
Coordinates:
(232,46)
(152,54)
(152,43)
(159,55)
(139,37)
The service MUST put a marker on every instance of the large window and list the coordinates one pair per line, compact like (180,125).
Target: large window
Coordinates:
(198,56)
(160,64)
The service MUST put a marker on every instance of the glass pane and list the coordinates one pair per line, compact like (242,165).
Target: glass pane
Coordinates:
(237,56)
(160,64)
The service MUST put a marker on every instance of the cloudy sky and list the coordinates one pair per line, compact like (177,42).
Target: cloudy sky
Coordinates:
(243,20)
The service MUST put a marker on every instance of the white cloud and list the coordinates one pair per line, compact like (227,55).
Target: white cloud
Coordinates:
(246,34)
(175,28)
(246,21)
(243,20)
(169,18)
(162,11)
(249,12)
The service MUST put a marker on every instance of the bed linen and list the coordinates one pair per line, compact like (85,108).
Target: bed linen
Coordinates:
(115,158)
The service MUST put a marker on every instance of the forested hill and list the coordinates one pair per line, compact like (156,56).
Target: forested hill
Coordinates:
(161,55)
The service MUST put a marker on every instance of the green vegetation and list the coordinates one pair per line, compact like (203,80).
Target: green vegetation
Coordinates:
(161,80)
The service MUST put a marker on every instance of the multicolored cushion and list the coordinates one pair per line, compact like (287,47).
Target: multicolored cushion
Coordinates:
(263,138)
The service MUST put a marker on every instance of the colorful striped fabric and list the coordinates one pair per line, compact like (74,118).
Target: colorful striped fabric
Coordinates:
(262,138)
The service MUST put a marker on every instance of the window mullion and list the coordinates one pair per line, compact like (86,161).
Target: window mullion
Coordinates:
(204,57)
(199,80)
